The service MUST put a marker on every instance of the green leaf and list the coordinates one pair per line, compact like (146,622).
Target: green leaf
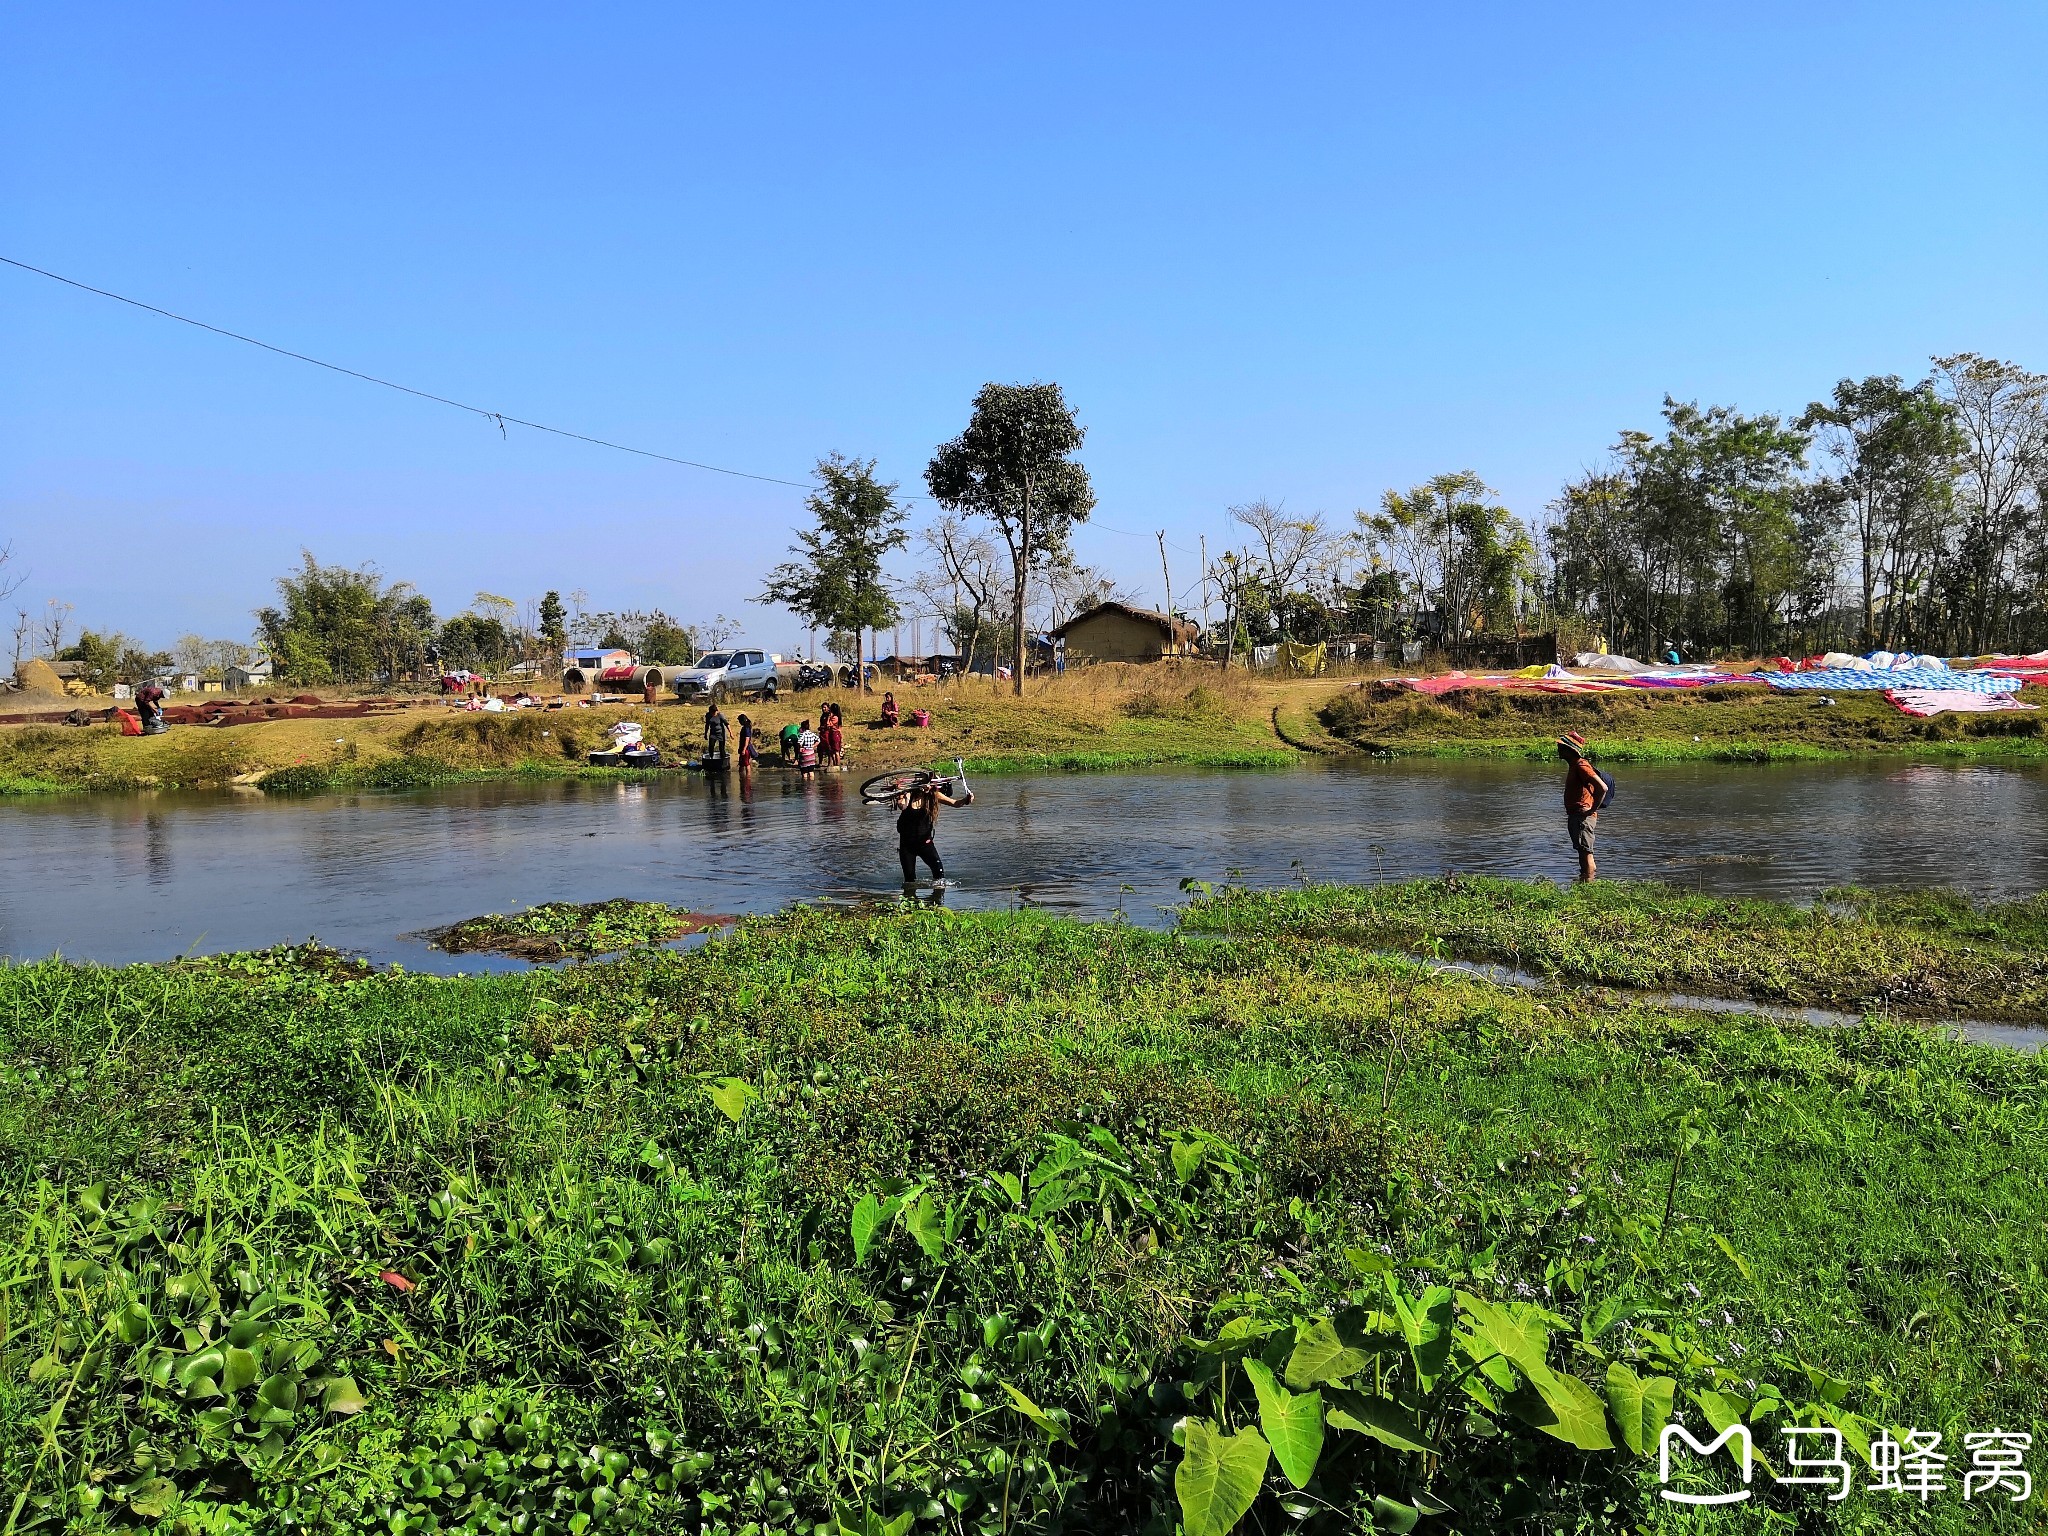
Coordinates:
(1723,1409)
(1426,1327)
(344,1396)
(732,1095)
(240,1370)
(205,1363)
(154,1499)
(1565,1408)
(870,1215)
(928,1225)
(1335,1348)
(1052,1428)
(1366,1262)
(1613,1310)
(1640,1408)
(1293,1424)
(1392,1515)
(1218,1478)
(280,1392)
(1734,1258)
(1187,1159)
(1521,1337)
(1385,1421)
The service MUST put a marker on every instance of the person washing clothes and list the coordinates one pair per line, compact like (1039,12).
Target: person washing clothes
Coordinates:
(1586,790)
(716,735)
(149,705)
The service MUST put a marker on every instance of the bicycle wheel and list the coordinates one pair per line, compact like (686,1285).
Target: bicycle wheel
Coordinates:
(884,787)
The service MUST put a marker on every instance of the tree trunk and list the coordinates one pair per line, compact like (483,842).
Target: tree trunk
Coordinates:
(1017,603)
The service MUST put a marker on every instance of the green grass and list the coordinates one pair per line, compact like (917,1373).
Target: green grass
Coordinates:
(1115,761)
(1732,723)
(1931,955)
(411,772)
(759,1237)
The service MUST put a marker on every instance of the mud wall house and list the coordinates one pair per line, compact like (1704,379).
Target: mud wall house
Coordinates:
(1119,632)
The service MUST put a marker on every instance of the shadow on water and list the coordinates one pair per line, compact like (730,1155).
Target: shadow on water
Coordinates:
(120,878)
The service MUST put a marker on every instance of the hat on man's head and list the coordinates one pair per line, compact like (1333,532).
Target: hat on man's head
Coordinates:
(1573,740)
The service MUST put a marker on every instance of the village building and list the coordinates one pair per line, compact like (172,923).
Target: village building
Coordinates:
(1119,632)
(256,674)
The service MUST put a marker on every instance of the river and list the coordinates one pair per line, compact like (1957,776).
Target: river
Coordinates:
(121,878)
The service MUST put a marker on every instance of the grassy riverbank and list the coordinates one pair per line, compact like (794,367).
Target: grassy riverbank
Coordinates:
(1092,719)
(1924,954)
(1738,723)
(913,1221)
(1105,718)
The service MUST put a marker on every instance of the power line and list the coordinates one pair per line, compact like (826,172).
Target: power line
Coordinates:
(497,418)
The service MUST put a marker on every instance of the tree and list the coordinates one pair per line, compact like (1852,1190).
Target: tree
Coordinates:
(1896,450)
(2001,415)
(10,581)
(554,626)
(1014,466)
(835,581)
(342,625)
(208,658)
(1290,551)
(964,585)
(1466,555)
(474,641)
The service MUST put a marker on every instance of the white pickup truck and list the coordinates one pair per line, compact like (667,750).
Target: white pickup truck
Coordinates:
(731,674)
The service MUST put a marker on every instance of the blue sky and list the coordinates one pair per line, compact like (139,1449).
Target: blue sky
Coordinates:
(1299,252)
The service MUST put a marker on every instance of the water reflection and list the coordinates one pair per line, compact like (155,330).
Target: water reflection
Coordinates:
(142,877)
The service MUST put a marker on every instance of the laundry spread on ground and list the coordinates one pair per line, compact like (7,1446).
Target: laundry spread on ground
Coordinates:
(1846,680)
(1924,702)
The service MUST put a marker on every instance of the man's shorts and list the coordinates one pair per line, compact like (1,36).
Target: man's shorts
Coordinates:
(1583,828)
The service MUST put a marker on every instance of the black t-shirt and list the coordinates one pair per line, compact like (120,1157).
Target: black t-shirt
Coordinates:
(914,824)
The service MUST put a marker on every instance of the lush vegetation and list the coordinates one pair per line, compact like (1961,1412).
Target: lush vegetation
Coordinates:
(1932,954)
(1732,723)
(914,1221)
(558,930)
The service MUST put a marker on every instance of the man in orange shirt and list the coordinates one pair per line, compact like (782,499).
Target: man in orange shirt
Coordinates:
(1584,793)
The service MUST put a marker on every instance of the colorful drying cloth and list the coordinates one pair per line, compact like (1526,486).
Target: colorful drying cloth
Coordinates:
(1842,680)
(1936,701)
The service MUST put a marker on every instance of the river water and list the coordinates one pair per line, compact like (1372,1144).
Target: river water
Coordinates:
(121,878)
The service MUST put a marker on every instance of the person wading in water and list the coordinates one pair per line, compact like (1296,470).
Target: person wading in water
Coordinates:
(1586,789)
(716,735)
(917,817)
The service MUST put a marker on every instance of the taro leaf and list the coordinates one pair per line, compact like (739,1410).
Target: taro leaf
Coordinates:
(240,1370)
(1385,1421)
(131,1323)
(732,1095)
(867,1215)
(1293,1424)
(1335,1348)
(153,1499)
(1523,1338)
(213,1420)
(1052,1428)
(928,1225)
(344,1396)
(1392,1515)
(1723,1409)
(1640,1407)
(1366,1262)
(1613,1310)
(1565,1408)
(1187,1159)
(1218,1479)
(1426,1326)
(280,1391)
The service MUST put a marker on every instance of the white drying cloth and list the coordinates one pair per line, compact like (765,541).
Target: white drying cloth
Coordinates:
(1600,661)
(626,733)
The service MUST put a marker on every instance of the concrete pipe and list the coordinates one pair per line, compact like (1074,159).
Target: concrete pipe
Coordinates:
(617,679)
